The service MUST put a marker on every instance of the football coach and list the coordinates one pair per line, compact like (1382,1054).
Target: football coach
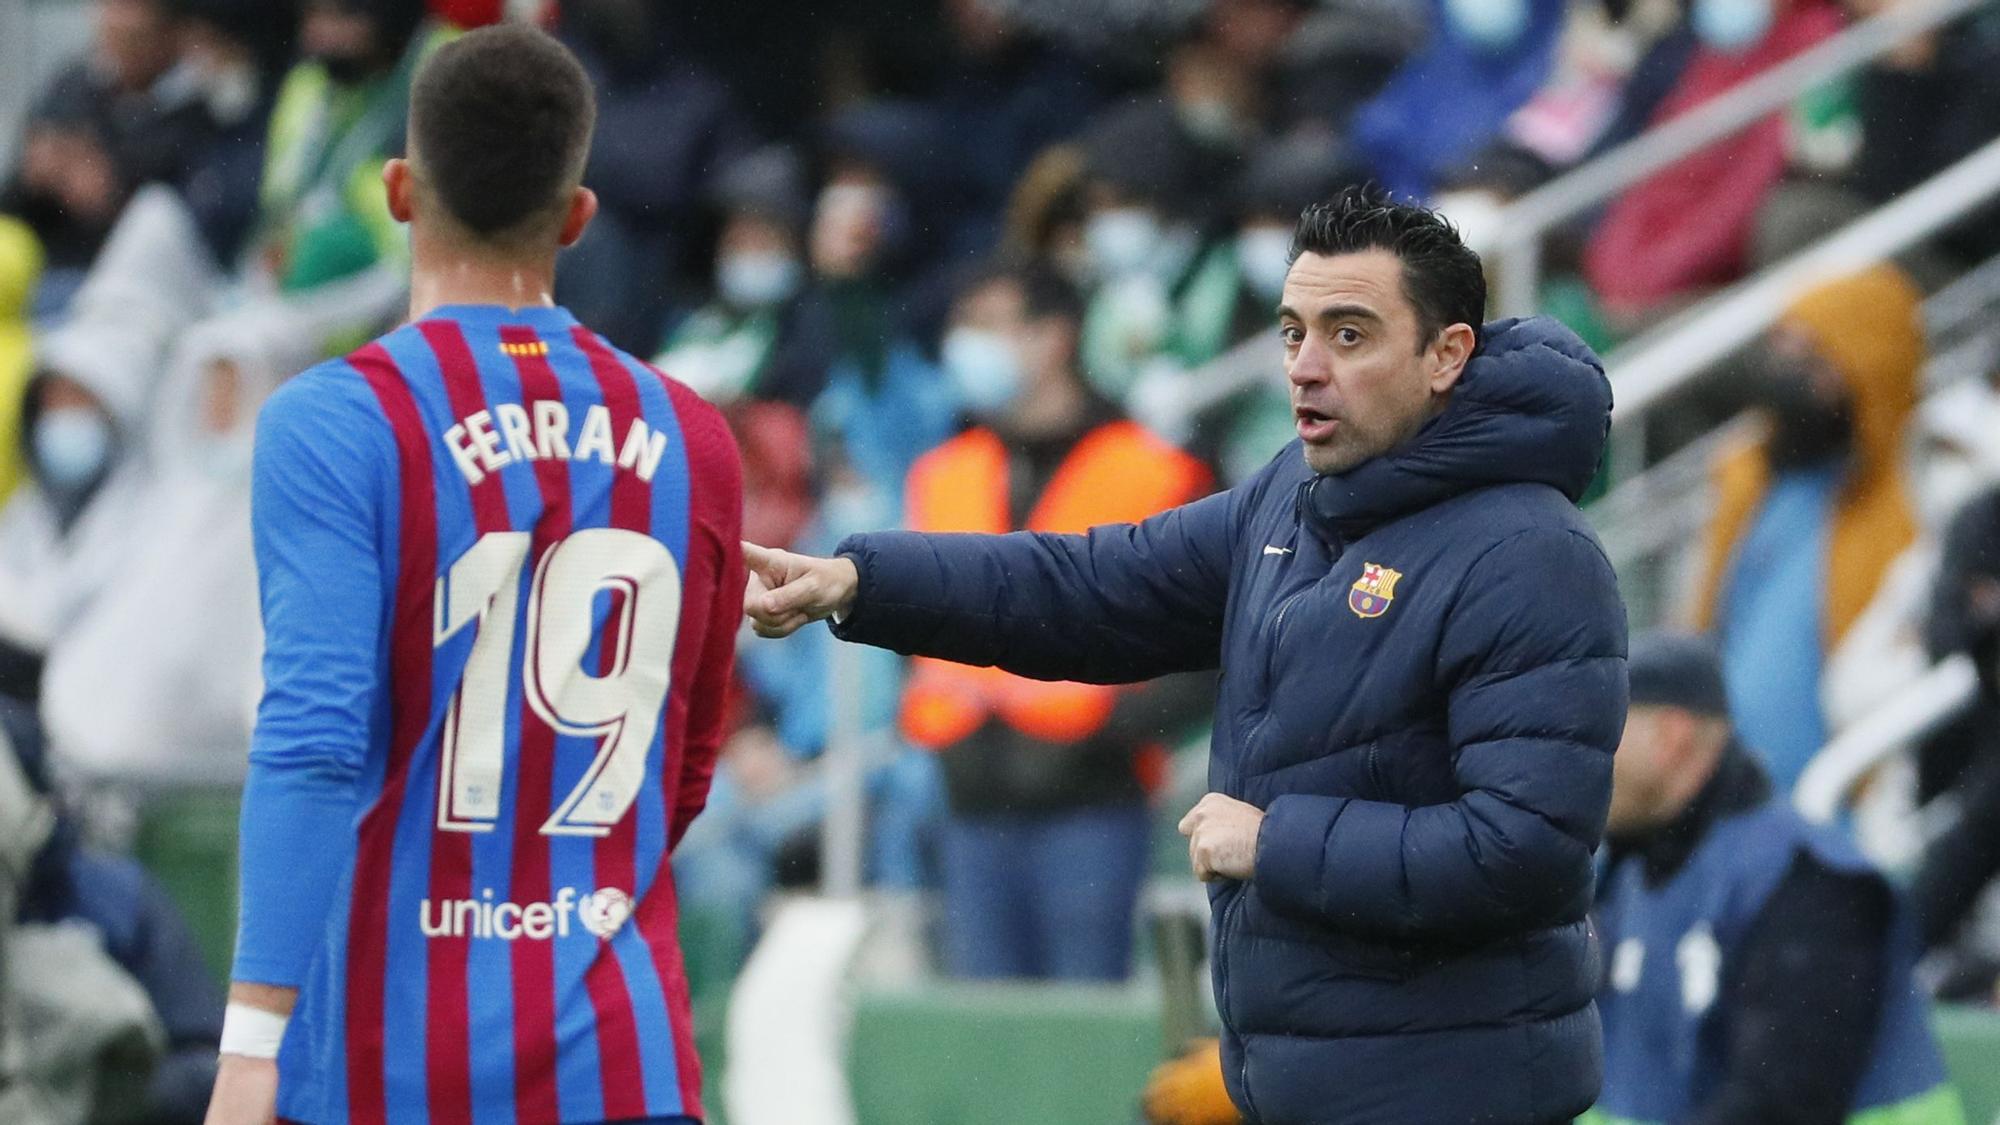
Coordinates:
(1423,680)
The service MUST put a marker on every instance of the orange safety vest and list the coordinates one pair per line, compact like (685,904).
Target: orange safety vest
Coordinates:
(1118,473)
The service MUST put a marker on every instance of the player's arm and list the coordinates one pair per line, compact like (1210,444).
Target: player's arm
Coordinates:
(1534,649)
(1120,603)
(717,471)
(320,457)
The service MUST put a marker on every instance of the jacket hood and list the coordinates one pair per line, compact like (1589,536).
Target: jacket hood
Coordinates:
(1533,406)
(1870,327)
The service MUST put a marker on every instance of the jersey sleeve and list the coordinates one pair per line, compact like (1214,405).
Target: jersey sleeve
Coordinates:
(316,517)
(716,469)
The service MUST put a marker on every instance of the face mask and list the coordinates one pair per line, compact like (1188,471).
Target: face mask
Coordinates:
(1208,120)
(756,279)
(1264,254)
(72,445)
(984,369)
(1121,241)
(1488,24)
(231,93)
(1732,25)
(1806,429)
(346,70)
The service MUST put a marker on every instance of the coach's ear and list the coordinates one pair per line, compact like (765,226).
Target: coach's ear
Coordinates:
(401,186)
(582,209)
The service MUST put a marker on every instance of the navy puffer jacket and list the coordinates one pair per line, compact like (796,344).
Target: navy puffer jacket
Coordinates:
(1423,683)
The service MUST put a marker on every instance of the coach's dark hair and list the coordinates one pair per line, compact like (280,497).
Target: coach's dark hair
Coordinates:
(500,122)
(1044,291)
(1441,275)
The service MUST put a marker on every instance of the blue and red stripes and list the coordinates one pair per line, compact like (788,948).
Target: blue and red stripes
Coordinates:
(410,676)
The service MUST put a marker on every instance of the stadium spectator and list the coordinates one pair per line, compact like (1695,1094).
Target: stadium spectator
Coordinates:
(1434,820)
(1045,847)
(746,342)
(99,961)
(664,126)
(339,113)
(68,529)
(108,123)
(1955,456)
(1811,513)
(1443,106)
(1924,106)
(1757,969)
(1688,226)
(1964,618)
(1158,290)
(1004,94)
(234,54)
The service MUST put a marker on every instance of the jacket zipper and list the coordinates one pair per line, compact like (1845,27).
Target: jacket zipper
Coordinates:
(1222,988)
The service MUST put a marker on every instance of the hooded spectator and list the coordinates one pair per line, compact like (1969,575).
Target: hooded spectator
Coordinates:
(1444,105)
(1689,225)
(157,680)
(68,530)
(1811,514)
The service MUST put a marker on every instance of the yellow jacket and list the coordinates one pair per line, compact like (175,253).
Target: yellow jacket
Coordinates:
(20,268)
(1870,326)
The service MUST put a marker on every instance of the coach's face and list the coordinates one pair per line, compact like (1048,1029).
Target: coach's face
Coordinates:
(1364,375)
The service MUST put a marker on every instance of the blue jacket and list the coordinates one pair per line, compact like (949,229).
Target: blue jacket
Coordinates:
(1423,683)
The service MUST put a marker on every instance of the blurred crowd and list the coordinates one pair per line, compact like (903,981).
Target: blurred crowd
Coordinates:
(981,265)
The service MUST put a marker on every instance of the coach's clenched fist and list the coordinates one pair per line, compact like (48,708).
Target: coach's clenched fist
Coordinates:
(1222,837)
(787,591)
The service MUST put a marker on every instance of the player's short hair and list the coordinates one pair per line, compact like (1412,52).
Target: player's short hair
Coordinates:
(500,125)
(1044,292)
(1442,277)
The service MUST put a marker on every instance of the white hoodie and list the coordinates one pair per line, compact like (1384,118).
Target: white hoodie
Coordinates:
(158,681)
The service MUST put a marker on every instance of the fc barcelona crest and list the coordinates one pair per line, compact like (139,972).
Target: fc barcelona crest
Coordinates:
(1373,591)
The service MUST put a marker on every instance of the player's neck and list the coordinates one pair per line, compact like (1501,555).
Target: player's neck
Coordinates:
(440,277)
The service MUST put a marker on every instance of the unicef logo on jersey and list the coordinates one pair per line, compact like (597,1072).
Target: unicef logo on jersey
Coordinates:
(604,911)
(601,913)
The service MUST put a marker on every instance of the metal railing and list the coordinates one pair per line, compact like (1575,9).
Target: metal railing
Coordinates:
(1523,223)
(1918,709)
(1658,363)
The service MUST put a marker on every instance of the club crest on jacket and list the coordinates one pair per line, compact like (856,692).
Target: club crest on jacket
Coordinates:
(1373,591)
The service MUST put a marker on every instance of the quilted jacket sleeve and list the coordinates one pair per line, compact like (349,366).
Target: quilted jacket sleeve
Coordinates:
(1122,603)
(1532,657)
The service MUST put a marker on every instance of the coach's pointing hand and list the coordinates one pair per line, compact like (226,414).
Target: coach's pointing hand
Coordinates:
(787,591)
(1222,837)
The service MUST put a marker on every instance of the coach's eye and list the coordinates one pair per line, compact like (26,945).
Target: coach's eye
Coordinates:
(1292,335)
(1349,336)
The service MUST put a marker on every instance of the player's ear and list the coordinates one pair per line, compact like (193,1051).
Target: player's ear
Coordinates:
(582,209)
(399,183)
(1449,353)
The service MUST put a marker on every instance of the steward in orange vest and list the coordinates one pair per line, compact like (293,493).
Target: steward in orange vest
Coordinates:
(1114,472)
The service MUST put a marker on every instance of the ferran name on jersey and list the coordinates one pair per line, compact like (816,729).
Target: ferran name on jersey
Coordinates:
(489,440)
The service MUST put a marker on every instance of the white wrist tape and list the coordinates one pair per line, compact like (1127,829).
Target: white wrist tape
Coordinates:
(252,1032)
